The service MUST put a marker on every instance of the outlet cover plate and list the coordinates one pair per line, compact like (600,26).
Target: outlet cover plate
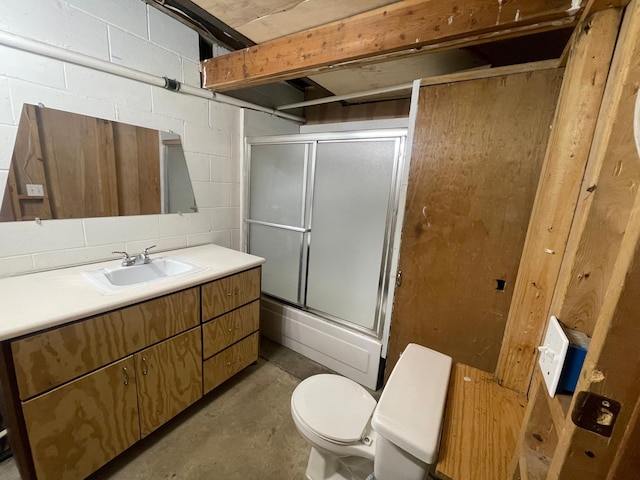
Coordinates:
(552,354)
(35,190)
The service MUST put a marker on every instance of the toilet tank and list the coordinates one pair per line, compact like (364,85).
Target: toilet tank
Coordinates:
(411,409)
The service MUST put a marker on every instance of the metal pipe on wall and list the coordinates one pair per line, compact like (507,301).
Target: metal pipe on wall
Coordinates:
(33,46)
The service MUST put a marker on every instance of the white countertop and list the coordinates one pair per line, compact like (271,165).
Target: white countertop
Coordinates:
(36,301)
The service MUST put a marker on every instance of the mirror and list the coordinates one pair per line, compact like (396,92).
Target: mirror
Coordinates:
(66,165)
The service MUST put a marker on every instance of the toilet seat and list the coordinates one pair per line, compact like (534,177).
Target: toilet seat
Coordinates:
(335,408)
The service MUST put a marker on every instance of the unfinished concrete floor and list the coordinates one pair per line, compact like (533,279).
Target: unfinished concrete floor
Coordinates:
(242,430)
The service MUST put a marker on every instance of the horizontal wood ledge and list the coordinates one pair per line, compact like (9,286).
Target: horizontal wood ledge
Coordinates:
(482,423)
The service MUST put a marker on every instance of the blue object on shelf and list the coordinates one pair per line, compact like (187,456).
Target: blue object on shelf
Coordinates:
(578,346)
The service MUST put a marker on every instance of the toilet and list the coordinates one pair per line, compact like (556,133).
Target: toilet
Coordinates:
(354,438)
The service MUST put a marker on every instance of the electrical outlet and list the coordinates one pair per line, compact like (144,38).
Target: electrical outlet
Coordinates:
(553,352)
(35,190)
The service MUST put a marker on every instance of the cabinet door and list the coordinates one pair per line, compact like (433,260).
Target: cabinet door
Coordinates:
(169,378)
(77,428)
(228,293)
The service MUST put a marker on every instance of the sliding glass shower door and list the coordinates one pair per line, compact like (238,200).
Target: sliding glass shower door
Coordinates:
(277,220)
(321,211)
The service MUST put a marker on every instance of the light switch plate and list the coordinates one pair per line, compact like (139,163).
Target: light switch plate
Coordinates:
(553,352)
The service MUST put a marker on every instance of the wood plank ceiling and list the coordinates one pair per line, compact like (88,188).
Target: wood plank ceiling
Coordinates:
(265,21)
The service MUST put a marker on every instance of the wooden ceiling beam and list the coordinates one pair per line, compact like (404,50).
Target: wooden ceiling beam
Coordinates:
(404,28)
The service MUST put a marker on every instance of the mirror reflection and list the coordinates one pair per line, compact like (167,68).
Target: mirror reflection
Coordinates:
(66,165)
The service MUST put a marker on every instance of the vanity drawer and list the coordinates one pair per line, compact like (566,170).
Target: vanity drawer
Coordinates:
(227,363)
(227,329)
(222,295)
(48,359)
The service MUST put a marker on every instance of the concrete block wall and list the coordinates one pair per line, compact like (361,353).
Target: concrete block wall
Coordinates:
(130,33)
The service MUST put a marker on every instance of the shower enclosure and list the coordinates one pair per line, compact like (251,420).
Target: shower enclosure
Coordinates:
(321,209)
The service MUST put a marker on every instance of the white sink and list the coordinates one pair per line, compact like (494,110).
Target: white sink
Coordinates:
(116,279)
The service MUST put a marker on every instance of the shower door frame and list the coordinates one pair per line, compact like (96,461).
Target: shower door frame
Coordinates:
(311,142)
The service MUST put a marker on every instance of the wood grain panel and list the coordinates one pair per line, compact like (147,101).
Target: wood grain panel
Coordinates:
(79,160)
(338,112)
(476,158)
(48,359)
(405,28)
(137,151)
(77,428)
(229,362)
(169,379)
(482,422)
(557,197)
(218,334)
(222,295)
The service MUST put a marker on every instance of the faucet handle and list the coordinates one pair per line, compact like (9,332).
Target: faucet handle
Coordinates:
(126,258)
(146,250)
(144,256)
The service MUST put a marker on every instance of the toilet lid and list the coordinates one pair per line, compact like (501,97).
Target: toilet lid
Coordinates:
(334,407)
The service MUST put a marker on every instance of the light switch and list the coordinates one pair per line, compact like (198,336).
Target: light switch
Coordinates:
(553,352)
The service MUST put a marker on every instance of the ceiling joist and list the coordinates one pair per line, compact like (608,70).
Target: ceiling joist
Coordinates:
(408,27)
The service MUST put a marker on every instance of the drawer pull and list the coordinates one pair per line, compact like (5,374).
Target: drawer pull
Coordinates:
(145,370)
(126,375)
(236,291)
(231,329)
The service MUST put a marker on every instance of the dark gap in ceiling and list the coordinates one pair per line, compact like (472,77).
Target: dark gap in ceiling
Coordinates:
(530,48)
(208,26)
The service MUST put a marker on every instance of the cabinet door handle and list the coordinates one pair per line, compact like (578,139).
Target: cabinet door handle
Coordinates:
(126,375)
(145,370)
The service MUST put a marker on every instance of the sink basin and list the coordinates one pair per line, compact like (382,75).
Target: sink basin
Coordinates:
(116,279)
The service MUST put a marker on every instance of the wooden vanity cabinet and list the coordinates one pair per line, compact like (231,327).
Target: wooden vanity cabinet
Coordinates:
(84,392)
(115,378)
(230,315)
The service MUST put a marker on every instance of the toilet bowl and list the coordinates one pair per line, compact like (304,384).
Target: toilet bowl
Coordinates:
(352,437)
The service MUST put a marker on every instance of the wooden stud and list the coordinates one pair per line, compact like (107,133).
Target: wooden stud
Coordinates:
(610,303)
(556,198)
(407,27)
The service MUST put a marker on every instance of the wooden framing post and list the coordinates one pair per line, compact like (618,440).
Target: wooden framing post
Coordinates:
(557,196)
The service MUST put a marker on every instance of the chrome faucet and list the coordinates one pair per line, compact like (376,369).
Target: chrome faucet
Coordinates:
(140,259)
(143,257)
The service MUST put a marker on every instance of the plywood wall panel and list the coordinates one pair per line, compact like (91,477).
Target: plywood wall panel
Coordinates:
(477,155)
